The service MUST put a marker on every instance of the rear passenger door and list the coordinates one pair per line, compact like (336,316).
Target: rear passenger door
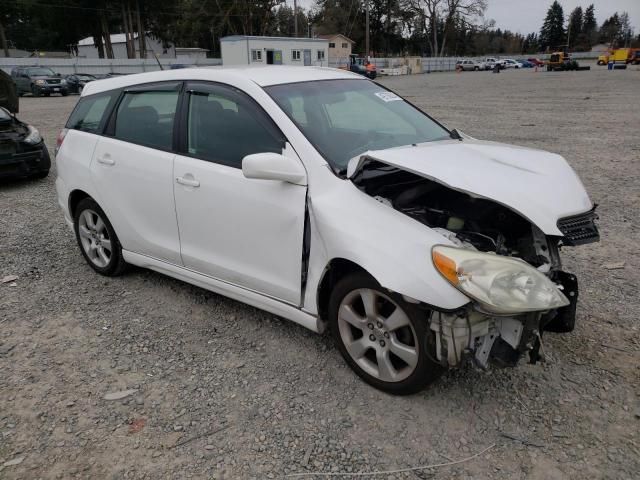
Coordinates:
(132,170)
(243,231)
(20,80)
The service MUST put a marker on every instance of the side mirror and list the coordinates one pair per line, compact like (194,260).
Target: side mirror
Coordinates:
(274,166)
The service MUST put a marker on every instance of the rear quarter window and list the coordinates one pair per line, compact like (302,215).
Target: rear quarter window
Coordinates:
(89,114)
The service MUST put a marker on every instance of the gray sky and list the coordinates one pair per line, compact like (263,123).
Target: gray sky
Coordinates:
(526,16)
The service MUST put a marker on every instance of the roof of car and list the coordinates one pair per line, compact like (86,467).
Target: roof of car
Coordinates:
(263,76)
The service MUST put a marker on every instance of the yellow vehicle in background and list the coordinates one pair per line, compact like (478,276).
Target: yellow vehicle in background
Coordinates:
(621,56)
(561,61)
(604,59)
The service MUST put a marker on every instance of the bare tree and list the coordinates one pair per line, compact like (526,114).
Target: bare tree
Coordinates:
(462,12)
(141,32)
(104,27)
(3,41)
(428,12)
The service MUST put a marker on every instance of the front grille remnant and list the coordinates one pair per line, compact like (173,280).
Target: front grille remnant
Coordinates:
(579,229)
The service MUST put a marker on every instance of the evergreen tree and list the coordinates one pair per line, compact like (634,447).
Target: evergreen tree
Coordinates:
(610,30)
(552,34)
(589,27)
(574,28)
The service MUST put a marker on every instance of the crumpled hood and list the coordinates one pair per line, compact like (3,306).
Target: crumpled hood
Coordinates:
(539,185)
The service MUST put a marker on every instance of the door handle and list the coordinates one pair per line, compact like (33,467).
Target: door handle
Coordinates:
(188,181)
(106,160)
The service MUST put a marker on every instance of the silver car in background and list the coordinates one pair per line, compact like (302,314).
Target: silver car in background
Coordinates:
(468,65)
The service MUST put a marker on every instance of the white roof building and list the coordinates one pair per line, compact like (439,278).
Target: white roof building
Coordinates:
(250,50)
(87,48)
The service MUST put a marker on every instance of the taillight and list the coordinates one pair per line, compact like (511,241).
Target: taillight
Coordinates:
(60,139)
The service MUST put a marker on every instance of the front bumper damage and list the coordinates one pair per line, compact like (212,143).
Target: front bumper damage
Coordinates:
(472,336)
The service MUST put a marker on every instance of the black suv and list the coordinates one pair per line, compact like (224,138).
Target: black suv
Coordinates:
(39,81)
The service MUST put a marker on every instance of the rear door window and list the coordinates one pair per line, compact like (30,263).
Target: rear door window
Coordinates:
(147,118)
(90,112)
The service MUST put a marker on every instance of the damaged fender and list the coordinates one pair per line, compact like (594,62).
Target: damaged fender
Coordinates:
(392,247)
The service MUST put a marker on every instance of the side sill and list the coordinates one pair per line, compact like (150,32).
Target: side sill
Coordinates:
(240,294)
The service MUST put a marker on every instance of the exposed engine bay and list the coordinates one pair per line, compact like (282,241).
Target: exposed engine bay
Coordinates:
(467,221)
(486,226)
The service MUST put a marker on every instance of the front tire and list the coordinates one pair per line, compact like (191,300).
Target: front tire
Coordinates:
(97,239)
(40,175)
(35,91)
(385,340)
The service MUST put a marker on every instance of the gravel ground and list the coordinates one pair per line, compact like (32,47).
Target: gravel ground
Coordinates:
(222,390)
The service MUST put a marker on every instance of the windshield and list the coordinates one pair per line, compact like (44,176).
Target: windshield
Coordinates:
(344,118)
(81,76)
(41,72)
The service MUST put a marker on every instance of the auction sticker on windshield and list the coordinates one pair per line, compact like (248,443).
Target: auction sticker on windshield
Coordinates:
(388,96)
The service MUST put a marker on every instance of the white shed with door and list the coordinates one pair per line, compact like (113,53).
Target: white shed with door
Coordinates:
(247,50)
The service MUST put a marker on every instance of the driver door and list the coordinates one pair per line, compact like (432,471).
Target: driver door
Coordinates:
(245,232)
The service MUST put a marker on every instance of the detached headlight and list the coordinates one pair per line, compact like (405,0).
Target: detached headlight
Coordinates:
(500,284)
(39,82)
(33,137)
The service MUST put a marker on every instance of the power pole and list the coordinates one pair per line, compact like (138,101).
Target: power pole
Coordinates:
(295,17)
(366,37)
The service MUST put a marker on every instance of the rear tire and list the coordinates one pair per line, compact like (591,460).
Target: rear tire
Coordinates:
(97,239)
(385,340)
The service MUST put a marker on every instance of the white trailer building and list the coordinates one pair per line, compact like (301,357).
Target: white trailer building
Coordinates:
(248,50)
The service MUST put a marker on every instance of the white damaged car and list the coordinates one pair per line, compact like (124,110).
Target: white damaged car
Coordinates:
(322,197)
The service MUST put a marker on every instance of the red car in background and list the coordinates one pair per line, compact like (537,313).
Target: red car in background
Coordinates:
(536,62)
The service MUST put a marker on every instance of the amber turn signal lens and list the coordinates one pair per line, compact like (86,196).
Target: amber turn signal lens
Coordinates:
(446,267)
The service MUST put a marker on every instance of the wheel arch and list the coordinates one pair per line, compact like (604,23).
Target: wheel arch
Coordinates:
(75,197)
(335,270)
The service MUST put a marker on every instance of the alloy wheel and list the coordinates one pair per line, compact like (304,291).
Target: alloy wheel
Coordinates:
(94,238)
(378,335)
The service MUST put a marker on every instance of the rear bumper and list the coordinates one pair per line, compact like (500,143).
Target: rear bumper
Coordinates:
(52,89)
(25,164)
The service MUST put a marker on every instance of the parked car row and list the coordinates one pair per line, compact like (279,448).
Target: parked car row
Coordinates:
(43,81)
(490,63)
